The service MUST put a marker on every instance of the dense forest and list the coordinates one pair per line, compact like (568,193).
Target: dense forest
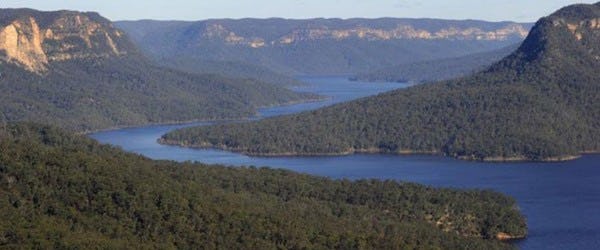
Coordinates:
(539,103)
(62,190)
(227,68)
(100,93)
(87,75)
(316,46)
(58,190)
(437,70)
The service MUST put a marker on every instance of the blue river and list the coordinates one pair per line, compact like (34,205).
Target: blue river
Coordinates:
(560,200)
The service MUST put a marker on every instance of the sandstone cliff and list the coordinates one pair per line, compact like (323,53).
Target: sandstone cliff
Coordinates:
(34,39)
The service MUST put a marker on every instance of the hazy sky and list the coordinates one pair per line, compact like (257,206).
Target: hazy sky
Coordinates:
(493,10)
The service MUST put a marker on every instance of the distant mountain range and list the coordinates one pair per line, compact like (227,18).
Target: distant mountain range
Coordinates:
(319,46)
(540,103)
(437,70)
(76,70)
(64,190)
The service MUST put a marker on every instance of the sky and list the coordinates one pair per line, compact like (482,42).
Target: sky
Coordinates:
(490,10)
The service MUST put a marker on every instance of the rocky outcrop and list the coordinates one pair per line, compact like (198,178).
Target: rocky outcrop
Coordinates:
(220,32)
(404,32)
(578,28)
(24,41)
(507,237)
(21,42)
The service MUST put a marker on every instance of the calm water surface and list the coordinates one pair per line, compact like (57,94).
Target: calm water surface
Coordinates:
(561,200)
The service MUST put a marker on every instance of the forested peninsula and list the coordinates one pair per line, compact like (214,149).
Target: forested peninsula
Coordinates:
(538,104)
(67,191)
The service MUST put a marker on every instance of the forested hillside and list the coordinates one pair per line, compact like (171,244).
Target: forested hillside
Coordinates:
(317,46)
(58,190)
(437,70)
(229,69)
(540,103)
(77,71)
(153,36)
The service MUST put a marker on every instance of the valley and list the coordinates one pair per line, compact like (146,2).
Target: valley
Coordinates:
(319,46)
(317,131)
(64,190)
(76,71)
(534,105)
(550,195)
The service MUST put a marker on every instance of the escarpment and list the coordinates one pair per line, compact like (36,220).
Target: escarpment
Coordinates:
(34,42)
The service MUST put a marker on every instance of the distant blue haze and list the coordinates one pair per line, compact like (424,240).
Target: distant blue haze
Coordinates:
(492,10)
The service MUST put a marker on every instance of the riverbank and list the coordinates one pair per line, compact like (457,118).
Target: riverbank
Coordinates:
(492,159)
(352,151)
(567,191)
(508,237)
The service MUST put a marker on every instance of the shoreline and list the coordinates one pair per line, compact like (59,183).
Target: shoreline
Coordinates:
(505,237)
(516,159)
(374,151)
(294,154)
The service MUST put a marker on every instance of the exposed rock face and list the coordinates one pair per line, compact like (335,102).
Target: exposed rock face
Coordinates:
(405,32)
(217,31)
(22,43)
(506,237)
(578,28)
(62,36)
(321,46)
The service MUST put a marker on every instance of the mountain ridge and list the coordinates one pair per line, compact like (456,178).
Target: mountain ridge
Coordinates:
(34,39)
(240,31)
(321,46)
(537,104)
(77,71)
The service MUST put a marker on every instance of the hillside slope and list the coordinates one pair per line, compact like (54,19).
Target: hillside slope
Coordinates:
(148,34)
(77,71)
(320,46)
(230,69)
(540,103)
(63,191)
(437,70)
